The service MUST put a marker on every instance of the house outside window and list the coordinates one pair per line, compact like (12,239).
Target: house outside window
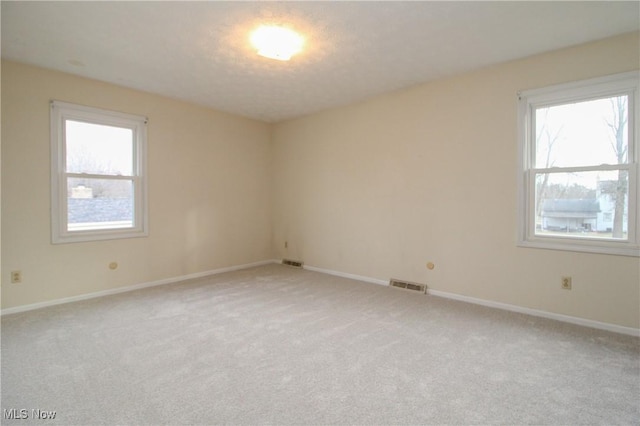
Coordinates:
(98,185)
(578,166)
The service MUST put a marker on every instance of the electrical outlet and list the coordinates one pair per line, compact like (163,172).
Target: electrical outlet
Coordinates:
(566,283)
(286,244)
(16,277)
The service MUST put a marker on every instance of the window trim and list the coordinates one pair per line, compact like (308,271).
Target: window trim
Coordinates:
(617,84)
(61,111)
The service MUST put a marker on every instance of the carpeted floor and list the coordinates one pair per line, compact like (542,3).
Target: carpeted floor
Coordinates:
(278,345)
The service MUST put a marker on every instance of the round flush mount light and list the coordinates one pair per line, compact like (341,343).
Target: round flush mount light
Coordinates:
(276,42)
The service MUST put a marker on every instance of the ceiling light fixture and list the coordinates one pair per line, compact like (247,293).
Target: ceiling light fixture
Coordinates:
(276,42)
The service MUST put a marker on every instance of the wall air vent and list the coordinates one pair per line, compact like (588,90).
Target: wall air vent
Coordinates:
(406,285)
(294,263)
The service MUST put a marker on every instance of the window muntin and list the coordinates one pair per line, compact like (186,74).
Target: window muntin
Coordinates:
(98,180)
(578,166)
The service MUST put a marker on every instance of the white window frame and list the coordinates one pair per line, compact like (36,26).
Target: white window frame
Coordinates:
(60,113)
(613,85)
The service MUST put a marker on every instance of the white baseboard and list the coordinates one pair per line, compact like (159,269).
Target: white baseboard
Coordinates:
(125,289)
(537,313)
(345,275)
(498,305)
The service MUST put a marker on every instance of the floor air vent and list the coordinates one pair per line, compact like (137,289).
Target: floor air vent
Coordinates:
(294,263)
(420,288)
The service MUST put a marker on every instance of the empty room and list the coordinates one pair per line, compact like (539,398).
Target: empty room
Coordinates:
(320,212)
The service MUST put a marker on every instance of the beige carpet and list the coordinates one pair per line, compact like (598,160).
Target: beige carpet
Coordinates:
(277,345)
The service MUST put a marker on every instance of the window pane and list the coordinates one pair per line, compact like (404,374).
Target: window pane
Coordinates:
(99,204)
(587,133)
(98,149)
(582,205)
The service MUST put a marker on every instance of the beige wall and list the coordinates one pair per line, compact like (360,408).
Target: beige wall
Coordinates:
(209,191)
(375,189)
(429,174)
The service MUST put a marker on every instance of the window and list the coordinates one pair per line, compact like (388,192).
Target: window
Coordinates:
(98,188)
(578,171)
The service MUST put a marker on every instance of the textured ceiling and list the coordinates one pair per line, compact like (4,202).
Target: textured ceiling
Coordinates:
(200,52)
